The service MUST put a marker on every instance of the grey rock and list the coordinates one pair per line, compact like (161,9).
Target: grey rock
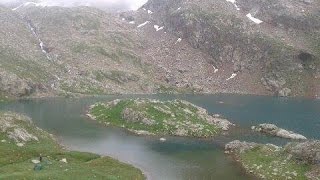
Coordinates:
(274,130)
(130,115)
(241,147)
(308,151)
(285,92)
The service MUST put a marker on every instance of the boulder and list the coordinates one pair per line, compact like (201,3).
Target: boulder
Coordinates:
(274,130)
(130,115)
(238,146)
(285,92)
(21,135)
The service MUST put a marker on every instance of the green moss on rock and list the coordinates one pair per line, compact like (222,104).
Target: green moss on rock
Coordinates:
(270,161)
(146,116)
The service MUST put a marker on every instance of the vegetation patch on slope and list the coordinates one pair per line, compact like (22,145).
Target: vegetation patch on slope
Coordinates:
(28,152)
(273,162)
(153,117)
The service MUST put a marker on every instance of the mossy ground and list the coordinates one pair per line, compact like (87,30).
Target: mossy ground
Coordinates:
(15,162)
(270,163)
(168,115)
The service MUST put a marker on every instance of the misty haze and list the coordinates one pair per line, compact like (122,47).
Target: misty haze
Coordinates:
(113,5)
(160,89)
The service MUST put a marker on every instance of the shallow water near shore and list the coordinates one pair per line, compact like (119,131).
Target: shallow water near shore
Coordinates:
(177,158)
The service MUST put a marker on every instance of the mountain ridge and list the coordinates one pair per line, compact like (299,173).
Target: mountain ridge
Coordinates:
(165,46)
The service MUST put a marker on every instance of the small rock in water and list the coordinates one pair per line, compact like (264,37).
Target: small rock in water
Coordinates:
(34,161)
(163,139)
(20,144)
(64,160)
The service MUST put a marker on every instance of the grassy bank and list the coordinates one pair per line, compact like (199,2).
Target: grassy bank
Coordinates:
(18,150)
(271,162)
(146,116)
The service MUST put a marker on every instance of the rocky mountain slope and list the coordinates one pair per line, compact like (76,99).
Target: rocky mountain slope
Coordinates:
(247,47)
(276,42)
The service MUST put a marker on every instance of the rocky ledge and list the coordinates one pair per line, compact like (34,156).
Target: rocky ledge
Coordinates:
(273,130)
(268,161)
(10,126)
(153,117)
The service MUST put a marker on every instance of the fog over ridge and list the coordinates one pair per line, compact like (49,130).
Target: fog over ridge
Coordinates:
(117,5)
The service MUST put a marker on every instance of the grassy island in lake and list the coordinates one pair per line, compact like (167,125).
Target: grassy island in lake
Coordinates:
(153,117)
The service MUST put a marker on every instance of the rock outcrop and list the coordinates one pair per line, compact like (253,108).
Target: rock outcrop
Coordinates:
(9,125)
(273,130)
(239,146)
(253,37)
(308,151)
(268,161)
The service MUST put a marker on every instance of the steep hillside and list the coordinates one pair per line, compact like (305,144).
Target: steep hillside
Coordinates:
(22,65)
(167,46)
(70,50)
(277,42)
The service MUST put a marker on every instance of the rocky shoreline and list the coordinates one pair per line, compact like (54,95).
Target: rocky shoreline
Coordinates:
(154,117)
(268,161)
(273,130)
(28,152)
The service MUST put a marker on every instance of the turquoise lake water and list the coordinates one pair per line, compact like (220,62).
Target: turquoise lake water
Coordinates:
(177,158)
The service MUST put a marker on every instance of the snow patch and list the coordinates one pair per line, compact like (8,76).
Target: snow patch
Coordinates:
(215,69)
(179,40)
(232,76)
(143,24)
(179,8)
(42,46)
(234,3)
(150,12)
(255,20)
(158,28)
(132,22)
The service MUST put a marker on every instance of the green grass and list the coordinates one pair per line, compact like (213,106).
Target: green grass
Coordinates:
(15,162)
(23,68)
(273,164)
(166,122)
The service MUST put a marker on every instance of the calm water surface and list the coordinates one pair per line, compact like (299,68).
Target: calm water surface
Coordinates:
(177,158)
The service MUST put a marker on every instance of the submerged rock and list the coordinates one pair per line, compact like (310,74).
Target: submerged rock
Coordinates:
(274,130)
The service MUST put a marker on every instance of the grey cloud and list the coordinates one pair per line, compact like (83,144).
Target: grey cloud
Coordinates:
(117,5)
